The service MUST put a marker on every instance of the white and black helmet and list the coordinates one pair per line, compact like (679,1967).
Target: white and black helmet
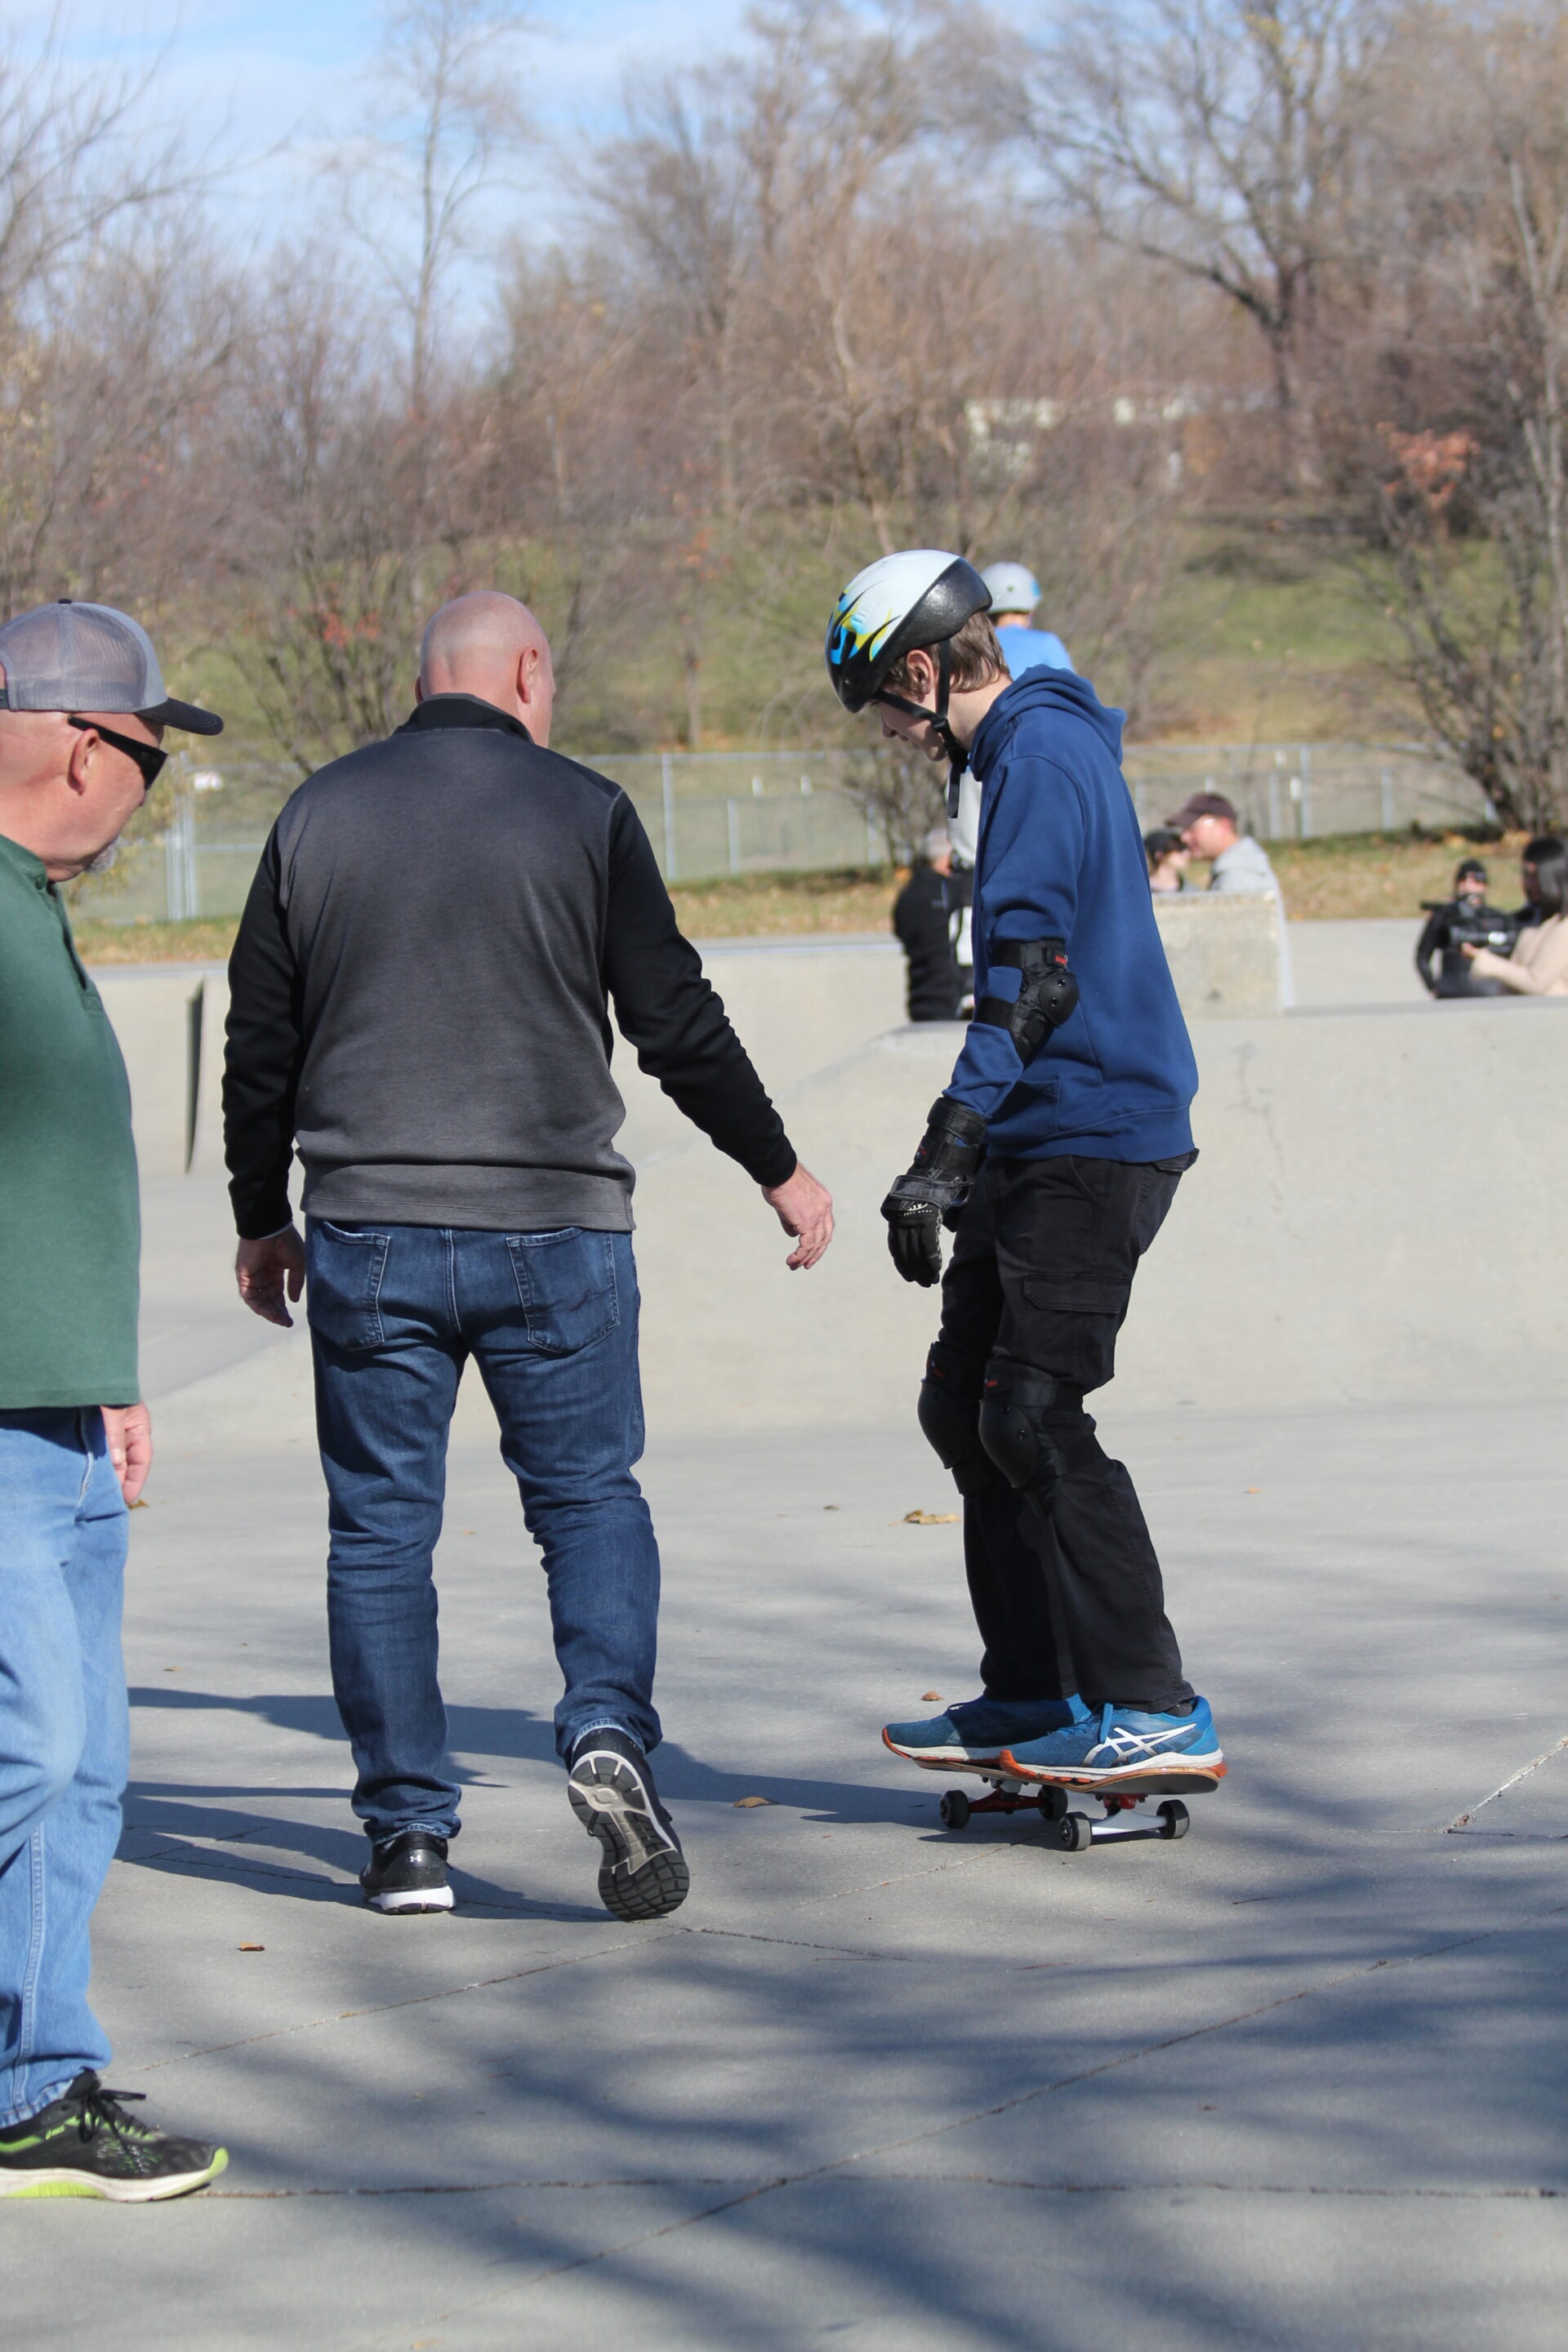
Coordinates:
(1014,587)
(922,597)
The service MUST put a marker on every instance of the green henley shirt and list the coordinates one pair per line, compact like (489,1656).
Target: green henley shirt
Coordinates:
(69,1218)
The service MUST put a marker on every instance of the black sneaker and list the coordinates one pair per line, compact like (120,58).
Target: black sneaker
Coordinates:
(644,1873)
(407,1873)
(84,2145)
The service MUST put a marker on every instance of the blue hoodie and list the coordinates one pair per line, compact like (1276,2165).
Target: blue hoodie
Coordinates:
(1061,858)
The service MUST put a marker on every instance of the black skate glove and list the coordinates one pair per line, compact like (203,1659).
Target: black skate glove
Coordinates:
(934,1191)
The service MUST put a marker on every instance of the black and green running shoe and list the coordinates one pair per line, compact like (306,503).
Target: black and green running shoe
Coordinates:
(643,1874)
(84,2145)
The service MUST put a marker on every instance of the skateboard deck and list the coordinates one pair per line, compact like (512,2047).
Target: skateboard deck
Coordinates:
(1127,1812)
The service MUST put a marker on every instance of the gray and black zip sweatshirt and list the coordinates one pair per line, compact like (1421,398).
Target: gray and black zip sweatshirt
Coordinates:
(419,994)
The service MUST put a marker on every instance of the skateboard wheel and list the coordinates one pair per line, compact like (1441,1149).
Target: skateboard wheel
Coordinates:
(1175,1819)
(1074,1832)
(1053,1803)
(954,1809)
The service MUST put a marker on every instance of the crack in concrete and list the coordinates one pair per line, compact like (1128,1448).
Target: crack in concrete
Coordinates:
(1462,1820)
(836,2164)
(801,1944)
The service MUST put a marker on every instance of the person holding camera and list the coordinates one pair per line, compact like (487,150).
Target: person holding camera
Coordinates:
(1452,925)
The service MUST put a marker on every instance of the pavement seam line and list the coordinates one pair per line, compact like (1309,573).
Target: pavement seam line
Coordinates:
(980,2115)
(1460,1820)
(1534,2192)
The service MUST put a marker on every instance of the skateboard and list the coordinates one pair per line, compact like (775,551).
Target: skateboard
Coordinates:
(1128,1812)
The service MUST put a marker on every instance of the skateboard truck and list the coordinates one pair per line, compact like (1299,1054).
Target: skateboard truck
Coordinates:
(1073,1833)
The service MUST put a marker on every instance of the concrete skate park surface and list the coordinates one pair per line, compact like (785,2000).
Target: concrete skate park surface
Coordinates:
(1298,2080)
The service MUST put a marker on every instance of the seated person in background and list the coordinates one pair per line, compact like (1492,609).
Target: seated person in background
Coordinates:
(923,920)
(1539,964)
(1208,826)
(1015,593)
(1239,866)
(1454,923)
(1169,858)
(1529,915)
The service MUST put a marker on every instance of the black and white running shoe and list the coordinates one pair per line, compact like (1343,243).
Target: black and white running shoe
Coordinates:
(643,1874)
(407,1873)
(85,2143)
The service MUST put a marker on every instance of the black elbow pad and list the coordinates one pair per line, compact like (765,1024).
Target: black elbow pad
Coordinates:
(1046,996)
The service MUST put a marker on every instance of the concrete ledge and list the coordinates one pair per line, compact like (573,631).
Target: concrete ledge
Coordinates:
(1321,1252)
(1225,954)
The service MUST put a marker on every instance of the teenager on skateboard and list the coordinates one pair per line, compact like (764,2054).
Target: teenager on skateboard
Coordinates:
(1054,1157)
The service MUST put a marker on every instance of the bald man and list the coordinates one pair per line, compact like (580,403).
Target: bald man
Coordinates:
(420,1008)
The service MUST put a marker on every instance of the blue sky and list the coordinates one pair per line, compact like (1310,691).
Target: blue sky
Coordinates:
(289,68)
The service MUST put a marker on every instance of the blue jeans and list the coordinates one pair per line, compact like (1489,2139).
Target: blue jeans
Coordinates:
(64,1741)
(551,1321)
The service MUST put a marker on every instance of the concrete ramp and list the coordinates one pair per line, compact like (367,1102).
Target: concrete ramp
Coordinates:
(1359,1171)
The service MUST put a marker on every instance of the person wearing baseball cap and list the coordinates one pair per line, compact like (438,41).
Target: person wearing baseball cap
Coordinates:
(83,708)
(1239,866)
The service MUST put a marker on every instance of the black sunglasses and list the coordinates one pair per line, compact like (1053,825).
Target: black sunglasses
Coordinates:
(150,757)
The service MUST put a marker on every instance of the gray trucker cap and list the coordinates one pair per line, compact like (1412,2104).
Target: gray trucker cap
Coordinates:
(70,657)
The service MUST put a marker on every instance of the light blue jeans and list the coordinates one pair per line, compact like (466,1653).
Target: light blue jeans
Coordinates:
(64,1741)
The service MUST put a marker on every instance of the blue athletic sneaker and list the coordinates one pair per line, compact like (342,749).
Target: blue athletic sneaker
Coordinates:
(976,1731)
(1120,1745)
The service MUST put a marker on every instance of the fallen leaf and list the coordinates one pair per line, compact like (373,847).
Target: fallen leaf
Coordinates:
(1254,1490)
(830,1506)
(252,1947)
(171,1670)
(930,1694)
(743,1804)
(138,1505)
(926,1519)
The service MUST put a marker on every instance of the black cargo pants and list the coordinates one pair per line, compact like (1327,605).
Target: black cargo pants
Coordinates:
(1064,1580)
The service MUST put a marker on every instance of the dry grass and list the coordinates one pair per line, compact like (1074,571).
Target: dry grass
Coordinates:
(201,941)
(1355,875)
(1361,874)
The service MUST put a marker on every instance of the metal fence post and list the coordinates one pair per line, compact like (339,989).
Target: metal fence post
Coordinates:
(181,889)
(732,822)
(667,777)
(1388,781)
(1305,751)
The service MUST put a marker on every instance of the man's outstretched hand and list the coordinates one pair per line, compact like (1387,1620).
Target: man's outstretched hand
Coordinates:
(265,1270)
(804,1209)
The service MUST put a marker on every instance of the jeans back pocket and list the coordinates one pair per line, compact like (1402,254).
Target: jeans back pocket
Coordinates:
(345,1265)
(566,1286)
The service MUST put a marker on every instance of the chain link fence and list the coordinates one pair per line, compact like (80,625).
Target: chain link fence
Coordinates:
(1289,792)
(710,814)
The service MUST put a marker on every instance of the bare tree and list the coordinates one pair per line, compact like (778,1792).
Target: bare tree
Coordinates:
(446,114)
(1475,507)
(1223,139)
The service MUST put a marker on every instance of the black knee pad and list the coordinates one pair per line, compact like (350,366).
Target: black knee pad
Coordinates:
(950,1416)
(1014,1428)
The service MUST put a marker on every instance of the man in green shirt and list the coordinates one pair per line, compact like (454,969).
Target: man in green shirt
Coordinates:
(83,714)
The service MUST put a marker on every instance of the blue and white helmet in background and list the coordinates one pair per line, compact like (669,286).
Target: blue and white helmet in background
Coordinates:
(1014,587)
(922,597)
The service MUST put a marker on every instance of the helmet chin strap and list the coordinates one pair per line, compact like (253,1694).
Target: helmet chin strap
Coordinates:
(958,758)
